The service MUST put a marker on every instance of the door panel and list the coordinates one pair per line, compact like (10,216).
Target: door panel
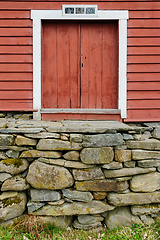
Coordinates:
(60,63)
(91,67)
(110,66)
(80,64)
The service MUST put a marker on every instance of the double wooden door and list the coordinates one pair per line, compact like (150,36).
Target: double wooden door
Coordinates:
(80,64)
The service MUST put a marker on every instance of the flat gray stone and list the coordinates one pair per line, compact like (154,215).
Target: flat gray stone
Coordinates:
(127,172)
(12,154)
(33,206)
(78,225)
(59,202)
(53,144)
(152,124)
(72,155)
(145,183)
(40,154)
(88,127)
(13,165)
(12,207)
(127,136)
(2,115)
(97,155)
(148,144)
(75,208)
(76,137)
(141,137)
(88,174)
(77,195)
(133,198)
(121,216)
(44,195)
(75,164)
(147,220)
(102,140)
(23,141)
(6,139)
(145,209)
(21,130)
(16,183)
(3,155)
(112,165)
(58,162)
(65,163)
(59,221)
(143,155)
(120,179)
(43,135)
(6,195)
(131,164)
(4,176)
(101,185)
(99,195)
(156,133)
(14,148)
(13,221)
(122,155)
(45,176)
(149,163)
(89,219)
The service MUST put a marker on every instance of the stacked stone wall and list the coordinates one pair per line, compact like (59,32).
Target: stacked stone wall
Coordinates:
(84,174)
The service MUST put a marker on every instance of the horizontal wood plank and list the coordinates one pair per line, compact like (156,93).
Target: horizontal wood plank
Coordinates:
(16,105)
(16,40)
(59,116)
(12,32)
(16,23)
(143,50)
(16,67)
(143,86)
(143,68)
(15,14)
(143,41)
(4,85)
(16,95)
(150,14)
(143,104)
(143,59)
(16,58)
(140,115)
(143,95)
(140,23)
(16,50)
(143,76)
(16,76)
(140,32)
(109,4)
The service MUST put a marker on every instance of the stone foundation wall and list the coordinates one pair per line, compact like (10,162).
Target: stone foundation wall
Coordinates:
(79,173)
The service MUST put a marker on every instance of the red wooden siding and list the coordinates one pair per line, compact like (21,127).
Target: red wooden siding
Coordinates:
(16,71)
(79,64)
(143,76)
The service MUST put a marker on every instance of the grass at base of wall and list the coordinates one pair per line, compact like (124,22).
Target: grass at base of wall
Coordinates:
(29,229)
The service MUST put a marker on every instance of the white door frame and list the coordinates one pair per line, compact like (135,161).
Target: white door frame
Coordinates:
(120,15)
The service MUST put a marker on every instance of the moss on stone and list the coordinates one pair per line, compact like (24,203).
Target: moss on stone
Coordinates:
(17,162)
(9,201)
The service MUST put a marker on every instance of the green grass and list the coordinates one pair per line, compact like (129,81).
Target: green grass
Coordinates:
(30,229)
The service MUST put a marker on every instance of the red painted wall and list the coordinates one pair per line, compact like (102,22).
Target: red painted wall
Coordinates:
(143,60)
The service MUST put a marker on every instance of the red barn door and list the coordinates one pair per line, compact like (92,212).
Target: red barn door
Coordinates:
(79,67)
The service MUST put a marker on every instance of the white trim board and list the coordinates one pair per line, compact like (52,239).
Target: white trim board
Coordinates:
(120,15)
